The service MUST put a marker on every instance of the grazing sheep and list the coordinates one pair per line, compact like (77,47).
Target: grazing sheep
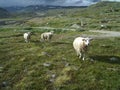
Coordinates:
(27,36)
(80,45)
(47,35)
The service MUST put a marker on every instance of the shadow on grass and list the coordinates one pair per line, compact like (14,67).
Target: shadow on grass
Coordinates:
(56,43)
(107,59)
(35,41)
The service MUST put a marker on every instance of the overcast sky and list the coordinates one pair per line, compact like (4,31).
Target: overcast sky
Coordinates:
(4,3)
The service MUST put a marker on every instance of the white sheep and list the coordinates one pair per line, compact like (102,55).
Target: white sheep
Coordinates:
(47,35)
(80,45)
(27,36)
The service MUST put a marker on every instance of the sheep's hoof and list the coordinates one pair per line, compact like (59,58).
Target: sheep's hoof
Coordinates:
(83,59)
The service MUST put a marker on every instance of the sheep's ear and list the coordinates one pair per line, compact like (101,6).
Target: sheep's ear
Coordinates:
(52,31)
(90,39)
(83,39)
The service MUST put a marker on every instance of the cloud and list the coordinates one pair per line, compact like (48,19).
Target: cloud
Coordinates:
(111,0)
(47,2)
(70,2)
(19,2)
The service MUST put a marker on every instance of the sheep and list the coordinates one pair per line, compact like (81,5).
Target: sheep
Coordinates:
(27,36)
(80,45)
(47,35)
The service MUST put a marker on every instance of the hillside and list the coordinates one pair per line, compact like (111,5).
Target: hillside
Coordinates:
(4,13)
(106,13)
(102,13)
(106,5)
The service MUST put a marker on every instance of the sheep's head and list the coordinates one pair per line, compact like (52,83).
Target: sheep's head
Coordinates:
(29,33)
(52,32)
(86,41)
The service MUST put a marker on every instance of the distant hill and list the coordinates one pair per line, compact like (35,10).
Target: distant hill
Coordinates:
(48,7)
(103,9)
(4,13)
(14,8)
(32,8)
(104,5)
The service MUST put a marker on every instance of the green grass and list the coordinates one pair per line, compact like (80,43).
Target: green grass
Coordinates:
(21,64)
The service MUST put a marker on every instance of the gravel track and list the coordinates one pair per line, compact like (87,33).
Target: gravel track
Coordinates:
(104,34)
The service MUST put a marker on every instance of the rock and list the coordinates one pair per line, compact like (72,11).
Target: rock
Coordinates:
(67,64)
(53,75)
(4,84)
(44,53)
(92,60)
(46,64)
(76,26)
(52,80)
(113,59)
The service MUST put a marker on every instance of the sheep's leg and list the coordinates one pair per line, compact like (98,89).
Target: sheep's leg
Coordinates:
(47,38)
(26,40)
(79,54)
(83,58)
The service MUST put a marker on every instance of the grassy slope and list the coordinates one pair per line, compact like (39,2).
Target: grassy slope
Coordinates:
(105,12)
(92,16)
(21,64)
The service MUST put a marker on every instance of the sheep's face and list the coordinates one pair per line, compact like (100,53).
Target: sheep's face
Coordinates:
(87,41)
(29,33)
(52,32)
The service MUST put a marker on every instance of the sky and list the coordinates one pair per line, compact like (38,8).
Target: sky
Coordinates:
(6,3)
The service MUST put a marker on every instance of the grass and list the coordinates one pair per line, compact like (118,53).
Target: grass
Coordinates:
(22,64)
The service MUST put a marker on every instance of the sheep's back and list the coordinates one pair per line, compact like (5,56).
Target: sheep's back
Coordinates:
(77,43)
(25,35)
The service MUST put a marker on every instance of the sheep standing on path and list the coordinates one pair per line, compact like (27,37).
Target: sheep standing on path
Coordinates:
(80,45)
(47,35)
(27,36)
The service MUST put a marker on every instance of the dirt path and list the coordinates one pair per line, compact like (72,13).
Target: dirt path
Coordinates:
(101,33)
(104,34)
